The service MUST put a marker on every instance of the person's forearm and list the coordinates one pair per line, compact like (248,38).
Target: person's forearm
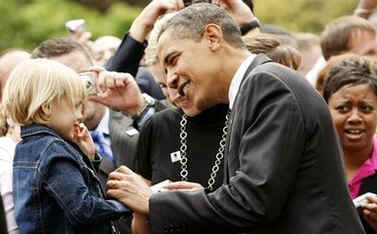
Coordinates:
(128,56)
(140,29)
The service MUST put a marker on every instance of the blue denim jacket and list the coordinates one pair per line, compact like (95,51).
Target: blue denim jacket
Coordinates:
(56,189)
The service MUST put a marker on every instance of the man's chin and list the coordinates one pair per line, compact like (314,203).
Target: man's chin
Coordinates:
(191,112)
(203,104)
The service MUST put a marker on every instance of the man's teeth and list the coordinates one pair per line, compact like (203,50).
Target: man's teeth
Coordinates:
(185,88)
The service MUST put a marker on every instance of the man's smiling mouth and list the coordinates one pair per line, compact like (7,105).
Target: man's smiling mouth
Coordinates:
(182,89)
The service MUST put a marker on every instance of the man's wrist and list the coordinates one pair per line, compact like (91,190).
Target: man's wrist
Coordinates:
(146,101)
(146,113)
(140,29)
(143,118)
(253,24)
(365,9)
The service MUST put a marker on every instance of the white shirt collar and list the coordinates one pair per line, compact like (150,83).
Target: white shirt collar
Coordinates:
(103,126)
(237,79)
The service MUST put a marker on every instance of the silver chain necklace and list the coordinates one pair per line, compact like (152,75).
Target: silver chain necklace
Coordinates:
(219,155)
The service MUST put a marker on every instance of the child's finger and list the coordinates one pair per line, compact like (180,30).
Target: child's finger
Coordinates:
(76,130)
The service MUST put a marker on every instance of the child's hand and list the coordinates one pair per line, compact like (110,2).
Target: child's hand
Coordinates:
(84,140)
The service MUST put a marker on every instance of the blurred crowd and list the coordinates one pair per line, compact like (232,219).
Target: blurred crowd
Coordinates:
(84,120)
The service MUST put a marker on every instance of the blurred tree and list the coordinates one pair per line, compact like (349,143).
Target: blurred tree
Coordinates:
(303,15)
(140,3)
(100,5)
(25,23)
(104,5)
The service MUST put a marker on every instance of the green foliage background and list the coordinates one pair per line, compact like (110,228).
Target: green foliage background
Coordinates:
(25,23)
(303,15)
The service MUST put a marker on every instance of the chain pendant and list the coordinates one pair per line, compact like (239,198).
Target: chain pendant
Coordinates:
(219,155)
(183,148)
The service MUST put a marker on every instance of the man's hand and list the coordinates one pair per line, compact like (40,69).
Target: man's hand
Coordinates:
(240,12)
(119,91)
(368,4)
(365,8)
(129,188)
(143,24)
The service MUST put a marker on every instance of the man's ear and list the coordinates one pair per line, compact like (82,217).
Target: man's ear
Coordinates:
(214,35)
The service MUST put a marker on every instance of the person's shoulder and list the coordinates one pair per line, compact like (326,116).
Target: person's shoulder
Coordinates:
(286,78)
(276,70)
(59,148)
(162,120)
(168,114)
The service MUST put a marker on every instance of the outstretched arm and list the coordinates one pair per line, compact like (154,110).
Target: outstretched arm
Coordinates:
(130,52)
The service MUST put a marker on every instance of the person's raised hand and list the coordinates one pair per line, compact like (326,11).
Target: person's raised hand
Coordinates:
(119,91)
(240,12)
(143,24)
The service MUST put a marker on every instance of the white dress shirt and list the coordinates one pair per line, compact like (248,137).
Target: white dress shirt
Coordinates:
(312,75)
(237,79)
(7,147)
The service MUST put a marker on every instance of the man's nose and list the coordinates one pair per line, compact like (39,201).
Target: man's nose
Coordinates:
(173,93)
(172,80)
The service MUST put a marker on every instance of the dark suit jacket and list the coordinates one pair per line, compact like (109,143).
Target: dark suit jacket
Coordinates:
(123,143)
(283,171)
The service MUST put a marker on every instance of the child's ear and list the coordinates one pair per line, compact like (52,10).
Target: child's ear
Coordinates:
(47,109)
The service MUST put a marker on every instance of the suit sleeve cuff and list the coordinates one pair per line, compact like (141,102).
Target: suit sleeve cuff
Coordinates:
(127,57)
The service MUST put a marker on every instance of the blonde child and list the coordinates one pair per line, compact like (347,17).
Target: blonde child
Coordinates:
(56,189)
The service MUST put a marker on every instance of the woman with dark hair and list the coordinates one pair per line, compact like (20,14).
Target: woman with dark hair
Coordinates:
(351,93)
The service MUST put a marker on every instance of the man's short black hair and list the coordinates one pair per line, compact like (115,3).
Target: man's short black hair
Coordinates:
(56,47)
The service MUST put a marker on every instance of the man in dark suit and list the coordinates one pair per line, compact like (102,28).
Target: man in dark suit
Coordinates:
(283,164)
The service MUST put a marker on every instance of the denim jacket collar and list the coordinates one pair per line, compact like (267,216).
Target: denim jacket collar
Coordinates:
(34,129)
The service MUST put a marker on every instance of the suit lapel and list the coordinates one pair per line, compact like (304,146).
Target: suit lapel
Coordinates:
(258,60)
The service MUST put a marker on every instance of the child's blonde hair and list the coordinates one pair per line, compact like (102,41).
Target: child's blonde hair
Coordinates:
(38,82)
